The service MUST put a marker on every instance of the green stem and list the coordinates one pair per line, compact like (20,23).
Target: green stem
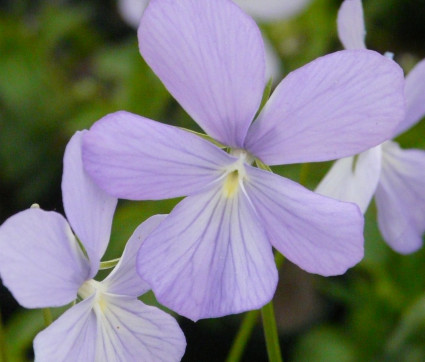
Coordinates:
(243,336)
(3,352)
(47,314)
(108,264)
(271,333)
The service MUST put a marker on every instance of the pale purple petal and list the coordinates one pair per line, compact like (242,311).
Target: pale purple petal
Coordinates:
(124,279)
(72,337)
(132,331)
(132,157)
(400,198)
(132,10)
(270,10)
(40,260)
(336,106)
(88,208)
(210,257)
(319,234)
(210,56)
(415,97)
(353,179)
(351,28)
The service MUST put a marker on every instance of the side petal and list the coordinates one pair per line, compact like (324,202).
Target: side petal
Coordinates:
(270,10)
(400,198)
(336,106)
(124,279)
(353,179)
(351,28)
(210,257)
(40,260)
(135,158)
(131,331)
(415,97)
(72,337)
(319,234)
(88,208)
(210,56)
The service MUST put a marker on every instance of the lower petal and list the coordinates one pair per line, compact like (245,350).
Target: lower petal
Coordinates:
(400,198)
(210,257)
(319,234)
(132,331)
(353,179)
(70,338)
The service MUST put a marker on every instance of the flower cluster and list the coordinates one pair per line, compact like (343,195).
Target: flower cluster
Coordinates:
(213,254)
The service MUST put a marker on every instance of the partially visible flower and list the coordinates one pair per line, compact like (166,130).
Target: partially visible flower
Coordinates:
(396,177)
(42,264)
(212,255)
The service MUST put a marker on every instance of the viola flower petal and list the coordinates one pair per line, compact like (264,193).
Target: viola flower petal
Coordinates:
(88,208)
(132,331)
(40,260)
(415,96)
(270,10)
(132,157)
(210,56)
(210,257)
(400,198)
(132,10)
(351,27)
(319,234)
(336,106)
(72,337)
(353,179)
(124,279)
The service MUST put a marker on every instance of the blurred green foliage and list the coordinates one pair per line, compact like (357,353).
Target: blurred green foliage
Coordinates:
(62,68)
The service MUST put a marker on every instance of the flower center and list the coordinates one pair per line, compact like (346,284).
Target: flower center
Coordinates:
(91,287)
(235,173)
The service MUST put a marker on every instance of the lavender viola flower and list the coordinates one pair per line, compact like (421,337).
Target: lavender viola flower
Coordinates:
(212,255)
(396,177)
(42,265)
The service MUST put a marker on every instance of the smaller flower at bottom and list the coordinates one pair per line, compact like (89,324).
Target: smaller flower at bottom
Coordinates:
(43,266)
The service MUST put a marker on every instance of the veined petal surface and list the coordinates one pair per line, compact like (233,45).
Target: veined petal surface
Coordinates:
(400,198)
(353,179)
(132,157)
(351,28)
(70,338)
(124,279)
(129,330)
(269,10)
(319,234)
(88,208)
(336,106)
(210,56)
(210,257)
(40,260)
(415,97)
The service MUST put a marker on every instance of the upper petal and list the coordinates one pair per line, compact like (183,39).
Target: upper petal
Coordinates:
(88,208)
(269,10)
(70,338)
(210,56)
(351,28)
(132,157)
(40,260)
(319,234)
(124,279)
(210,257)
(400,198)
(353,179)
(415,97)
(128,330)
(336,106)
(132,10)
